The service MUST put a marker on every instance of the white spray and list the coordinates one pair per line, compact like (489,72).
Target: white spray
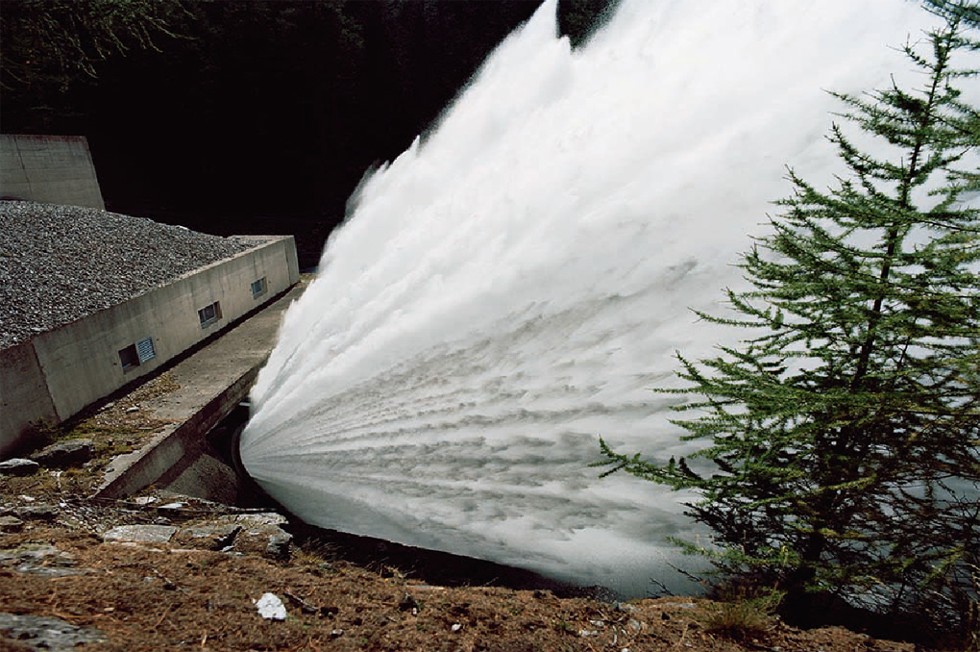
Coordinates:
(516,283)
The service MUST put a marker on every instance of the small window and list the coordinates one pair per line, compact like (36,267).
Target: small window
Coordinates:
(129,357)
(209,314)
(259,287)
(136,354)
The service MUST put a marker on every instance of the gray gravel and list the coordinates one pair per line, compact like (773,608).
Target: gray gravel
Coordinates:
(61,263)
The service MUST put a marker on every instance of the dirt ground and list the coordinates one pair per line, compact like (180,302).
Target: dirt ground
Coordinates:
(55,564)
(164,598)
(167,597)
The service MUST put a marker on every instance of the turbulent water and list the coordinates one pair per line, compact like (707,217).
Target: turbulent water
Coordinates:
(516,283)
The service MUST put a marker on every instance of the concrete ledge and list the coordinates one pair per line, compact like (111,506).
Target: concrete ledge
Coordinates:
(173,450)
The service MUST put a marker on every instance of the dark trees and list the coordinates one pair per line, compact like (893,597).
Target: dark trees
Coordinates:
(245,115)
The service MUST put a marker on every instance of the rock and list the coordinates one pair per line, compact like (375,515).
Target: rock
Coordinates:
(143,501)
(268,540)
(72,452)
(211,537)
(254,519)
(278,544)
(260,533)
(39,559)
(141,533)
(11,524)
(28,551)
(18,466)
(271,607)
(47,633)
(408,603)
(37,512)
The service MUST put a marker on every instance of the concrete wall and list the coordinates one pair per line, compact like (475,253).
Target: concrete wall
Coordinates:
(24,395)
(51,169)
(79,363)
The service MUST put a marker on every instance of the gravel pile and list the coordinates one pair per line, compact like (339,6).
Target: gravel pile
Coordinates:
(61,263)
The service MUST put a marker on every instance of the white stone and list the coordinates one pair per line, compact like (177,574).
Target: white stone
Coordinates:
(271,607)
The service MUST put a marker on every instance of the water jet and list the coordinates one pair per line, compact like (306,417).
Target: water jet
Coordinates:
(515,284)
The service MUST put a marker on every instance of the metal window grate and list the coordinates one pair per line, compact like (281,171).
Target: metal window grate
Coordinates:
(259,287)
(145,350)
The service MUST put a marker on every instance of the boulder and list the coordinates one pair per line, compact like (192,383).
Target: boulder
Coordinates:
(140,534)
(267,540)
(42,512)
(260,533)
(254,519)
(72,452)
(47,632)
(18,466)
(251,533)
(11,524)
(208,536)
(39,559)
(278,544)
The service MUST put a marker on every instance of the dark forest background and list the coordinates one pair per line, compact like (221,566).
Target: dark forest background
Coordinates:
(247,116)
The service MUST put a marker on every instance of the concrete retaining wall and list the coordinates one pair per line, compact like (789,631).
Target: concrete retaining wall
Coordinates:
(23,394)
(167,459)
(51,169)
(60,372)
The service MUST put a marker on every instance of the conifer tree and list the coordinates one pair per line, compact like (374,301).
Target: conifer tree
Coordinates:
(842,434)
(58,42)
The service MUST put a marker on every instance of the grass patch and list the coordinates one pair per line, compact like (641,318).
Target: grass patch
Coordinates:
(314,555)
(742,616)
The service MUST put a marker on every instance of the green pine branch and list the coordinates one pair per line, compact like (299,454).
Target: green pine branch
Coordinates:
(843,429)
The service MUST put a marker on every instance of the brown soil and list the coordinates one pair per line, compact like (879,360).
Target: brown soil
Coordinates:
(164,597)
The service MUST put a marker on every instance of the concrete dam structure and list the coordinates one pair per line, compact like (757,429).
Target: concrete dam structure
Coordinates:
(51,169)
(94,301)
